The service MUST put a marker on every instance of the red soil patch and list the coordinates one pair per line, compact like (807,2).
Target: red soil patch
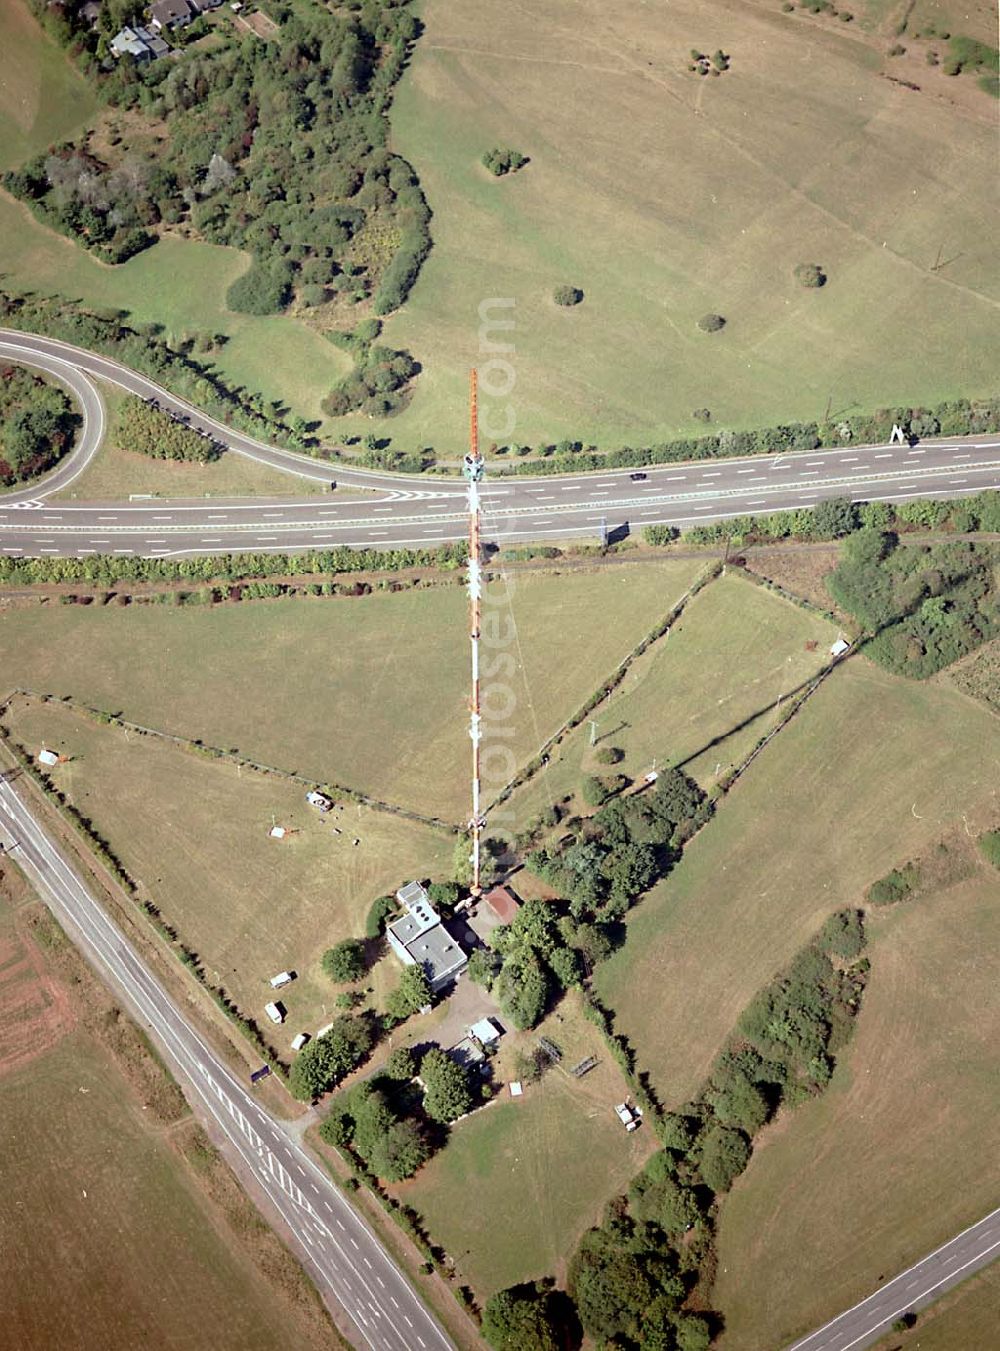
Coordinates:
(35,1011)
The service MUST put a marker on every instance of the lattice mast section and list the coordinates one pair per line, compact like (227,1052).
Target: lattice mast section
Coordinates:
(472,469)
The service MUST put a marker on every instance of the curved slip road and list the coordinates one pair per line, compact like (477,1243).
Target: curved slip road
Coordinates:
(915,1288)
(417,511)
(342,1255)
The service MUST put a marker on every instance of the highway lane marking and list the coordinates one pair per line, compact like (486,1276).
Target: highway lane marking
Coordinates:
(917,452)
(849,459)
(886,456)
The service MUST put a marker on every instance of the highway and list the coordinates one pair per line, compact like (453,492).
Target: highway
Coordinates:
(912,1290)
(407,510)
(353,1272)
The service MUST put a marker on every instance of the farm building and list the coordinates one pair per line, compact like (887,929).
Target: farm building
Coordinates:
(503,903)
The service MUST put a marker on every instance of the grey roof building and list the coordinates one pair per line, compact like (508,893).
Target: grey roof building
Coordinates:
(139,43)
(418,936)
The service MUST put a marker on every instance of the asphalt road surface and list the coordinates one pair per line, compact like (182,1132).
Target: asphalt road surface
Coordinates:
(350,1267)
(918,1286)
(422,511)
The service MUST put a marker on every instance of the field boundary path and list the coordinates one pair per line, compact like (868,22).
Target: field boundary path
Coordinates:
(207,752)
(352,1270)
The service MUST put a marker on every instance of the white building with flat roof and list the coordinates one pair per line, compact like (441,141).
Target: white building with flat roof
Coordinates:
(418,936)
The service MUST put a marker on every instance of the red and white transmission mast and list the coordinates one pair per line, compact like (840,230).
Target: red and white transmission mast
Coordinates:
(472,469)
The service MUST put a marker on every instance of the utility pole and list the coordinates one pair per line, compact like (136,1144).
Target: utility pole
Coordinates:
(472,470)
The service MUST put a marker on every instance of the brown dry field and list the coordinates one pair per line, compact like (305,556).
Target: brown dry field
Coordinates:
(800,571)
(193,832)
(101,1186)
(978,674)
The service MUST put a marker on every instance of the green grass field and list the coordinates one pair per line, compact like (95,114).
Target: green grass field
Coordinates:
(834,802)
(900,1152)
(115,473)
(537,1169)
(665,196)
(368,692)
(179,284)
(194,832)
(700,697)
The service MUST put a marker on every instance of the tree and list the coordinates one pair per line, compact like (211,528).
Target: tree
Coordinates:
(447,1094)
(567,295)
(810,275)
(399,1151)
(519,1319)
(345,962)
(609,755)
(668,1203)
(692,1333)
(320,1064)
(677,1133)
(610,1286)
(411,994)
(724,1155)
(522,989)
(739,1103)
(444,896)
(711,323)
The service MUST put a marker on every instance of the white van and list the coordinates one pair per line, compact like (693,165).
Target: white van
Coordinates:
(300,1041)
(275,1013)
(282,978)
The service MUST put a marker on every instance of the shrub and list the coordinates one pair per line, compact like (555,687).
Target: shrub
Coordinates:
(567,295)
(500,161)
(811,275)
(989,845)
(263,289)
(378,913)
(610,755)
(711,323)
(895,886)
(594,791)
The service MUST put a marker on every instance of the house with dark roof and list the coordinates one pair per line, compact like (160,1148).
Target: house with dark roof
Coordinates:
(170,14)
